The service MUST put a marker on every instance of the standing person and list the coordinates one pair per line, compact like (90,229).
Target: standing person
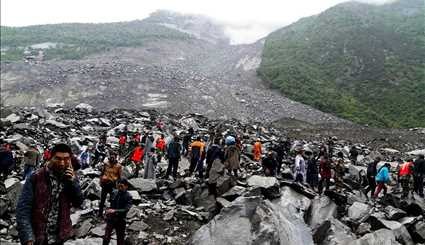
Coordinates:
(136,136)
(197,147)
(257,150)
(150,165)
(280,153)
(406,175)
(121,202)
(136,158)
(312,171)
(100,151)
(46,154)
(299,166)
(160,147)
(269,164)
(84,157)
(214,152)
(186,141)
(6,161)
(382,177)
(231,158)
(122,142)
(31,160)
(148,140)
(43,213)
(371,174)
(217,170)
(325,172)
(354,154)
(111,172)
(419,174)
(339,172)
(173,155)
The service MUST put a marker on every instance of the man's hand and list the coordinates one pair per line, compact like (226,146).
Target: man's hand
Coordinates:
(29,243)
(69,173)
(110,211)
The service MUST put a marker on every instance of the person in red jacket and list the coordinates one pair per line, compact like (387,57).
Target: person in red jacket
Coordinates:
(122,142)
(137,157)
(325,172)
(160,147)
(406,173)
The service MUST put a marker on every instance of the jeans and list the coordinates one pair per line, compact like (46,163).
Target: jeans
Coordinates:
(119,226)
(106,189)
(28,170)
(173,165)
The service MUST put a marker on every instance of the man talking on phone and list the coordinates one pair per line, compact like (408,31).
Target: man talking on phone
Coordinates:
(44,207)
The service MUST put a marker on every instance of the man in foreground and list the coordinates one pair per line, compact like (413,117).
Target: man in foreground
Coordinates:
(44,207)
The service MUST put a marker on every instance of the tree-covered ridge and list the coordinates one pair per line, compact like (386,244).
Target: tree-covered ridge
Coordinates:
(74,41)
(363,62)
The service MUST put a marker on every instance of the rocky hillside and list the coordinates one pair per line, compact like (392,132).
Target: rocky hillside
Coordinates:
(362,62)
(170,62)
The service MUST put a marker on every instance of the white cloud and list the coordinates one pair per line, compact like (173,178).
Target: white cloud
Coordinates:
(245,20)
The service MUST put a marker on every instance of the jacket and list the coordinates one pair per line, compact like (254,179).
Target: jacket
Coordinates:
(31,158)
(406,169)
(160,144)
(213,153)
(173,150)
(383,175)
(111,173)
(6,159)
(197,149)
(33,205)
(137,154)
(231,157)
(121,201)
(420,167)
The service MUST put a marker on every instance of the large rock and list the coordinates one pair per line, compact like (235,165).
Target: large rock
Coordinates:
(393,213)
(382,236)
(234,192)
(88,241)
(419,232)
(143,185)
(333,232)
(400,232)
(321,209)
(252,220)
(224,183)
(358,211)
(269,185)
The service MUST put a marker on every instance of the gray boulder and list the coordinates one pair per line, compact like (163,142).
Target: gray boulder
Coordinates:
(143,185)
(321,209)
(393,213)
(252,220)
(358,210)
(382,236)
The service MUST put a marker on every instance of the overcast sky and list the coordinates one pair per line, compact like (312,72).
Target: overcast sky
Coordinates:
(245,21)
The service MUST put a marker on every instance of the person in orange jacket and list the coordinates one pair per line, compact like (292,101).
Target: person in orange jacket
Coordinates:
(137,157)
(257,150)
(406,173)
(160,147)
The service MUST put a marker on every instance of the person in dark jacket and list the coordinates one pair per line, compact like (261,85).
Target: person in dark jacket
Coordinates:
(186,141)
(280,153)
(354,154)
(6,161)
(173,155)
(312,175)
(44,206)
(121,202)
(269,164)
(325,172)
(196,149)
(31,161)
(214,151)
(371,173)
(419,174)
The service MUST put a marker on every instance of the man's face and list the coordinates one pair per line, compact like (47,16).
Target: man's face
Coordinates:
(60,162)
(122,187)
(113,158)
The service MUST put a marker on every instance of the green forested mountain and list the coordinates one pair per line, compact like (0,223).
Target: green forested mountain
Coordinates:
(73,41)
(362,62)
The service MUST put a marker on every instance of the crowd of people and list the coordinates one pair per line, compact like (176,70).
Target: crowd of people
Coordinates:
(51,184)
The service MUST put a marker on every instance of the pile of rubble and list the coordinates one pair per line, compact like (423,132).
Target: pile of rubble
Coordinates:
(251,209)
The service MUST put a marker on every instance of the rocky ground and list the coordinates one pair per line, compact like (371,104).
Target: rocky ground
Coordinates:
(249,210)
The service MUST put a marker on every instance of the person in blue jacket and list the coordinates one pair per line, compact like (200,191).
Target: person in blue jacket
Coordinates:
(382,178)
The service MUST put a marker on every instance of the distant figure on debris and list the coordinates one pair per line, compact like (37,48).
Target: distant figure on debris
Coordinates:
(111,172)
(122,141)
(371,174)
(280,153)
(136,158)
(173,155)
(257,150)
(121,202)
(160,147)
(214,151)
(419,174)
(85,157)
(136,136)
(299,167)
(197,147)
(46,154)
(339,172)
(269,164)
(231,158)
(217,170)
(31,161)
(150,165)
(353,155)
(186,141)
(6,161)
(44,206)
(100,151)
(312,171)
(382,177)
(325,173)
(406,176)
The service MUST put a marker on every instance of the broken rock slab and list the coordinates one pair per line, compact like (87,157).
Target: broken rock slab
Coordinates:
(269,185)
(322,208)
(252,220)
(358,210)
(382,236)
(143,185)
(393,213)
